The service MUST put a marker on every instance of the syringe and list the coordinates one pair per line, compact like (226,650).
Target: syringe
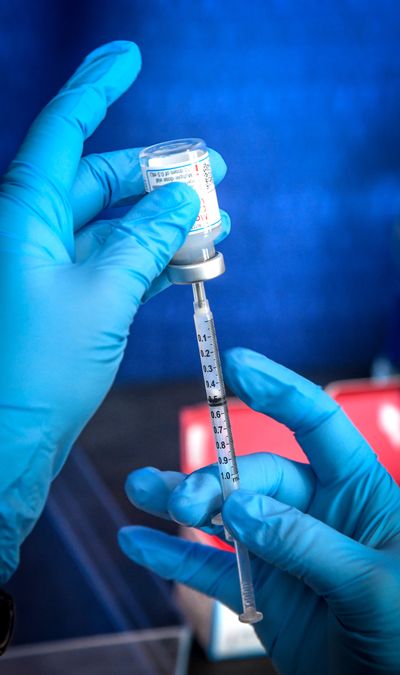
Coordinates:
(187,160)
(221,426)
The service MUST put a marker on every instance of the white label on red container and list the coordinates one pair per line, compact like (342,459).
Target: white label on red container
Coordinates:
(199,176)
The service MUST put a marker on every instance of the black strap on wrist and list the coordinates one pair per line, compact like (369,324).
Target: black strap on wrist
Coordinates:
(7,619)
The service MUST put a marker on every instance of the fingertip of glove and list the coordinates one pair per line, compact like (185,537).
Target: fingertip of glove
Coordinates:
(116,47)
(244,356)
(181,194)
(258,381)
(225,226)
(181,511)
(234,361)
(233,356)
(191,501)
(218,165)
(235,510)
(138,483)
(237,500)
(131,541)
(180,504)
(124,539)
(147,547)
(112,67)
(175,205)
(130,51)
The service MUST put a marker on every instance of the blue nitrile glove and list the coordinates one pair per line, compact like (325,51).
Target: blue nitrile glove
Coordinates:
(325,536)
(69,290)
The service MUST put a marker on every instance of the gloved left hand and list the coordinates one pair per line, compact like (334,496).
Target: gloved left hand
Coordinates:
(70,289)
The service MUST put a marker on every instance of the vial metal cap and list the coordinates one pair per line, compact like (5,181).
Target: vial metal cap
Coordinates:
(200,271)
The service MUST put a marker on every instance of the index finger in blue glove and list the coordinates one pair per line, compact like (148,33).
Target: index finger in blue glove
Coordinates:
(115,179)
(193,500)
(150,489)
(201,567)
(53,145)
(333,445)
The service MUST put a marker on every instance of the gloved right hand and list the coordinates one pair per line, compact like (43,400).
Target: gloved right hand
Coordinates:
(325,537)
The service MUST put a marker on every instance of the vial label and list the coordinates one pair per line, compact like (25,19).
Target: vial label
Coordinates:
(199,176)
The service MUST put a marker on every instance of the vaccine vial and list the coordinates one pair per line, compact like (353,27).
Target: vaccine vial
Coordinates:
(187,161)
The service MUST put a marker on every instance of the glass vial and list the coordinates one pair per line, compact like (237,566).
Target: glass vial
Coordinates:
(187,161)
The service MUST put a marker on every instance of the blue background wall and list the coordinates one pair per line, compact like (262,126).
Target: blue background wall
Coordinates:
(303,101)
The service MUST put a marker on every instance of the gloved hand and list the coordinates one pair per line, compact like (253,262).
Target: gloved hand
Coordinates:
(71,289)
(325,536)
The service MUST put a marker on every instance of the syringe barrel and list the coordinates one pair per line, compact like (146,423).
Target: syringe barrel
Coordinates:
(187,161)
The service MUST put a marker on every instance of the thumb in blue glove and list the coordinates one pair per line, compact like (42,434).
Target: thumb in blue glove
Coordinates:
(325,536)
(70,287)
